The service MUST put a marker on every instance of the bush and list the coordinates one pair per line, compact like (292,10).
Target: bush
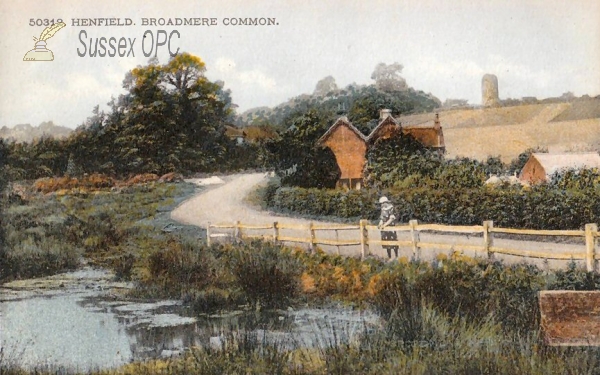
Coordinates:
(574,278)
(94,181)
(539,207)
(179,267)
(39,258)
(474,289)
(267,273)
(142,179)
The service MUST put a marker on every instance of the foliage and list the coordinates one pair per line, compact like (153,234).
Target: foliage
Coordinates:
(459,314)
(95,181)
(460,173)
(538,207)
(402,162)
(37,241)
(361,103)
(433,321)
(267,273)
(571,179)
(396,158)
(574,278)
(3,196)
(387,77)
(364,108)
(49,234)
(295,155)
(44,157)
(171,119)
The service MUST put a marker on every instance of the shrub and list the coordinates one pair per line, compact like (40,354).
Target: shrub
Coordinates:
(179,267)
(267,273)
(142,179)
(474,289)
(540,207)
(575,278)
(38,258)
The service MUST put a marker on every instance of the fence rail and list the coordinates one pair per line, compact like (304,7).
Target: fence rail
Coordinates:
(363,239)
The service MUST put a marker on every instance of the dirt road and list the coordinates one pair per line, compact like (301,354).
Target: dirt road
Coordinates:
(225,204)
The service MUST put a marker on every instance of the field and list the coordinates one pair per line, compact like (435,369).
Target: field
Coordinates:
(507,131)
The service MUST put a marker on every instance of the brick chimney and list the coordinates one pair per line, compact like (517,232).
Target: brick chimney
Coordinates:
(384,113)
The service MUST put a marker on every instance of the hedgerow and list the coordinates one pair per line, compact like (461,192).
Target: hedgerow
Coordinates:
(538,207)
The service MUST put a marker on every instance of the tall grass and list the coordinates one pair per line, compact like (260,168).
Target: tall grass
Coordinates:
(221,276)
(47,234)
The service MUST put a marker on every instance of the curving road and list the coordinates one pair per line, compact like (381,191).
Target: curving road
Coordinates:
(225,203)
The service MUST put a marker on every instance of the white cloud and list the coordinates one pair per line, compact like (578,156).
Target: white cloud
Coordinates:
(244,79)
(256,77)
(225,65)
(251,87)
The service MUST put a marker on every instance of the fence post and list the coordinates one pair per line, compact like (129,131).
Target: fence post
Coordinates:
(488,238)
(414,237)
(590,246)
(275,232)
(337,239)
(364,239)
(237,233)
(208,234)
(311,230)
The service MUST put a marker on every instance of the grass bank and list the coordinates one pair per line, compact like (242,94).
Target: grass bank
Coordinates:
(48,233)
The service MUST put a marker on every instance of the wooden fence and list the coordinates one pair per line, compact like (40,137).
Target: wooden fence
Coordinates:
(486,247)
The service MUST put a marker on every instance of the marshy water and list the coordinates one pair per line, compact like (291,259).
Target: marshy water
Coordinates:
(80,320)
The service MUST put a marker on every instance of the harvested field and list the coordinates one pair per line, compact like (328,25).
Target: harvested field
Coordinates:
(507,131)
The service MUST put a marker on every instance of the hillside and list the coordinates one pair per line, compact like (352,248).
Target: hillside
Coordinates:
(27,133)
(507,131)
(352,99)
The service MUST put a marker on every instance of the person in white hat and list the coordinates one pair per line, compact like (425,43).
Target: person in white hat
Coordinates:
(388,218)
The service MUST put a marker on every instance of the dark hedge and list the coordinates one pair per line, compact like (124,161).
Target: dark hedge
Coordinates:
(540,207)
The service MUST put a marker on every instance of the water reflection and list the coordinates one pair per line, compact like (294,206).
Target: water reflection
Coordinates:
(56,331)
(87,331)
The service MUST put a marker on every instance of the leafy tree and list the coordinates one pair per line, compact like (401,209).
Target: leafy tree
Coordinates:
(572,179)
(392,160)
(171,119)
(325,86)
(460,173)
(387,77)
(494,166)
(88,146)
(295,156)
(364,112)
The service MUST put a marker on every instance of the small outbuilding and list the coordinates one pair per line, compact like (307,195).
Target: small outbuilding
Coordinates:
(541,166)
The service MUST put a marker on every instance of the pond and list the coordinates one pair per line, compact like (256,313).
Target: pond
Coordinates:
(80,321)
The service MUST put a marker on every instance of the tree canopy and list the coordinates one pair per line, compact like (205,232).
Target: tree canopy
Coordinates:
(172,118)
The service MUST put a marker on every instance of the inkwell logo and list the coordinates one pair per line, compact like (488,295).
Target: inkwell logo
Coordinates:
(40,52)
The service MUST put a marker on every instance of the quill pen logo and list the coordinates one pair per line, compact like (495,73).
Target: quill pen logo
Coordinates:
(40,52)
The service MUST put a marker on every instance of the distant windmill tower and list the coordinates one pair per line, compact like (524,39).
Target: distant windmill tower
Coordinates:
(489,91)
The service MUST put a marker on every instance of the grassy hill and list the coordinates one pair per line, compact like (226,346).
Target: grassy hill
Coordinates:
(507,131)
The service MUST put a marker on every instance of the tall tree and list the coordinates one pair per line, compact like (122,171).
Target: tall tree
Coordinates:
(171,119)
(296,157)
(387,77)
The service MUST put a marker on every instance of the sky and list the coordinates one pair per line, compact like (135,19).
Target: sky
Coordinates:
(535,48)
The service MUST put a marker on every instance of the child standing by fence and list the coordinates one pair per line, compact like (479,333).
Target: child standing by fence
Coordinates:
(387,218)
